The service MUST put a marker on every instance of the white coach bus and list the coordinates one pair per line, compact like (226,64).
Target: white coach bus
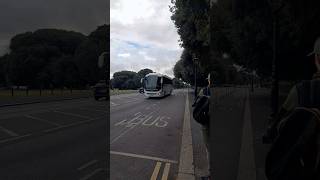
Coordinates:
(157,85)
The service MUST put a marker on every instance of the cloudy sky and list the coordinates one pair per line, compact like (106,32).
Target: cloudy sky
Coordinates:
(142,36)
(18,16)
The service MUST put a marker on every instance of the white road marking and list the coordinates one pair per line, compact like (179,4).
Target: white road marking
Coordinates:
(125,122)
(120,135)
(14,138)
(143,157)
(113,104)
(43,120)
(67,125)
(166,172)
(147,119)
(87,165)
(142,119)
(133,122)
(88,176)
(156,171)
(186,166)
(11,133)
(164,123)
(129,126)
(73,124)
(72,114)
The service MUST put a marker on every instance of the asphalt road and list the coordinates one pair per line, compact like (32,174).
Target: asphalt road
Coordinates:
(56,140)
(145,136)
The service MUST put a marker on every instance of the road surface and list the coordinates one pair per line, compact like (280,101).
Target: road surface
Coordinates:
(55,140)
(67,139)
(145,136)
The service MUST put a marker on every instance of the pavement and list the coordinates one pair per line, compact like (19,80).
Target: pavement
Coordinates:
(260,112)
(238,120)
(54,140)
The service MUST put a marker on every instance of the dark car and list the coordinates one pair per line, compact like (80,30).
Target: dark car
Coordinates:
(141,90)
(100,90)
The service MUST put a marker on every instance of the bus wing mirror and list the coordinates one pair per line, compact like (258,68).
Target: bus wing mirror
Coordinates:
(161,81)
(141,80)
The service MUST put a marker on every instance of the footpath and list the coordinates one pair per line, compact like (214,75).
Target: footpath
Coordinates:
(200,158)
(238,120)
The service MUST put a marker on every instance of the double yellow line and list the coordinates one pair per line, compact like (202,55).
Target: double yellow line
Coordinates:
(157,170)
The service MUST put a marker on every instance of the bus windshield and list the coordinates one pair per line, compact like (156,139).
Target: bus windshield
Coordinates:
(152,83)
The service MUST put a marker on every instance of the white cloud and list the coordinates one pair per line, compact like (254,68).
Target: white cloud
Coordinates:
(124,55)
(143,29)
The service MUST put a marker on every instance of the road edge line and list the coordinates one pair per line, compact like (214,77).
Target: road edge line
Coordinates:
(186,164)
(247,167)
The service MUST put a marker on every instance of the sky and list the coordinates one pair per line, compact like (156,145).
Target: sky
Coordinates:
(142,35)
(18,16)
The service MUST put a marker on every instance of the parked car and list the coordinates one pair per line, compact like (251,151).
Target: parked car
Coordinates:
(100,90)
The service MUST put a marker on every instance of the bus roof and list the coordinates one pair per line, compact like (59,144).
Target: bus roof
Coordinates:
(159,75)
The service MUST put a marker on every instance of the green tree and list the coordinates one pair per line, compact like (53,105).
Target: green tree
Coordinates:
(124,80)
(3,72)
(143,72)
(32,52)
(87,54)
(56,57)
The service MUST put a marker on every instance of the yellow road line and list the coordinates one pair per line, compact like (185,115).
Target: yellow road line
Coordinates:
(156,171)
(166,172)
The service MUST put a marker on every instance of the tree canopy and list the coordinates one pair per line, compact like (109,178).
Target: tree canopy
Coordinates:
(241,32)
(128,79)
(54,58)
